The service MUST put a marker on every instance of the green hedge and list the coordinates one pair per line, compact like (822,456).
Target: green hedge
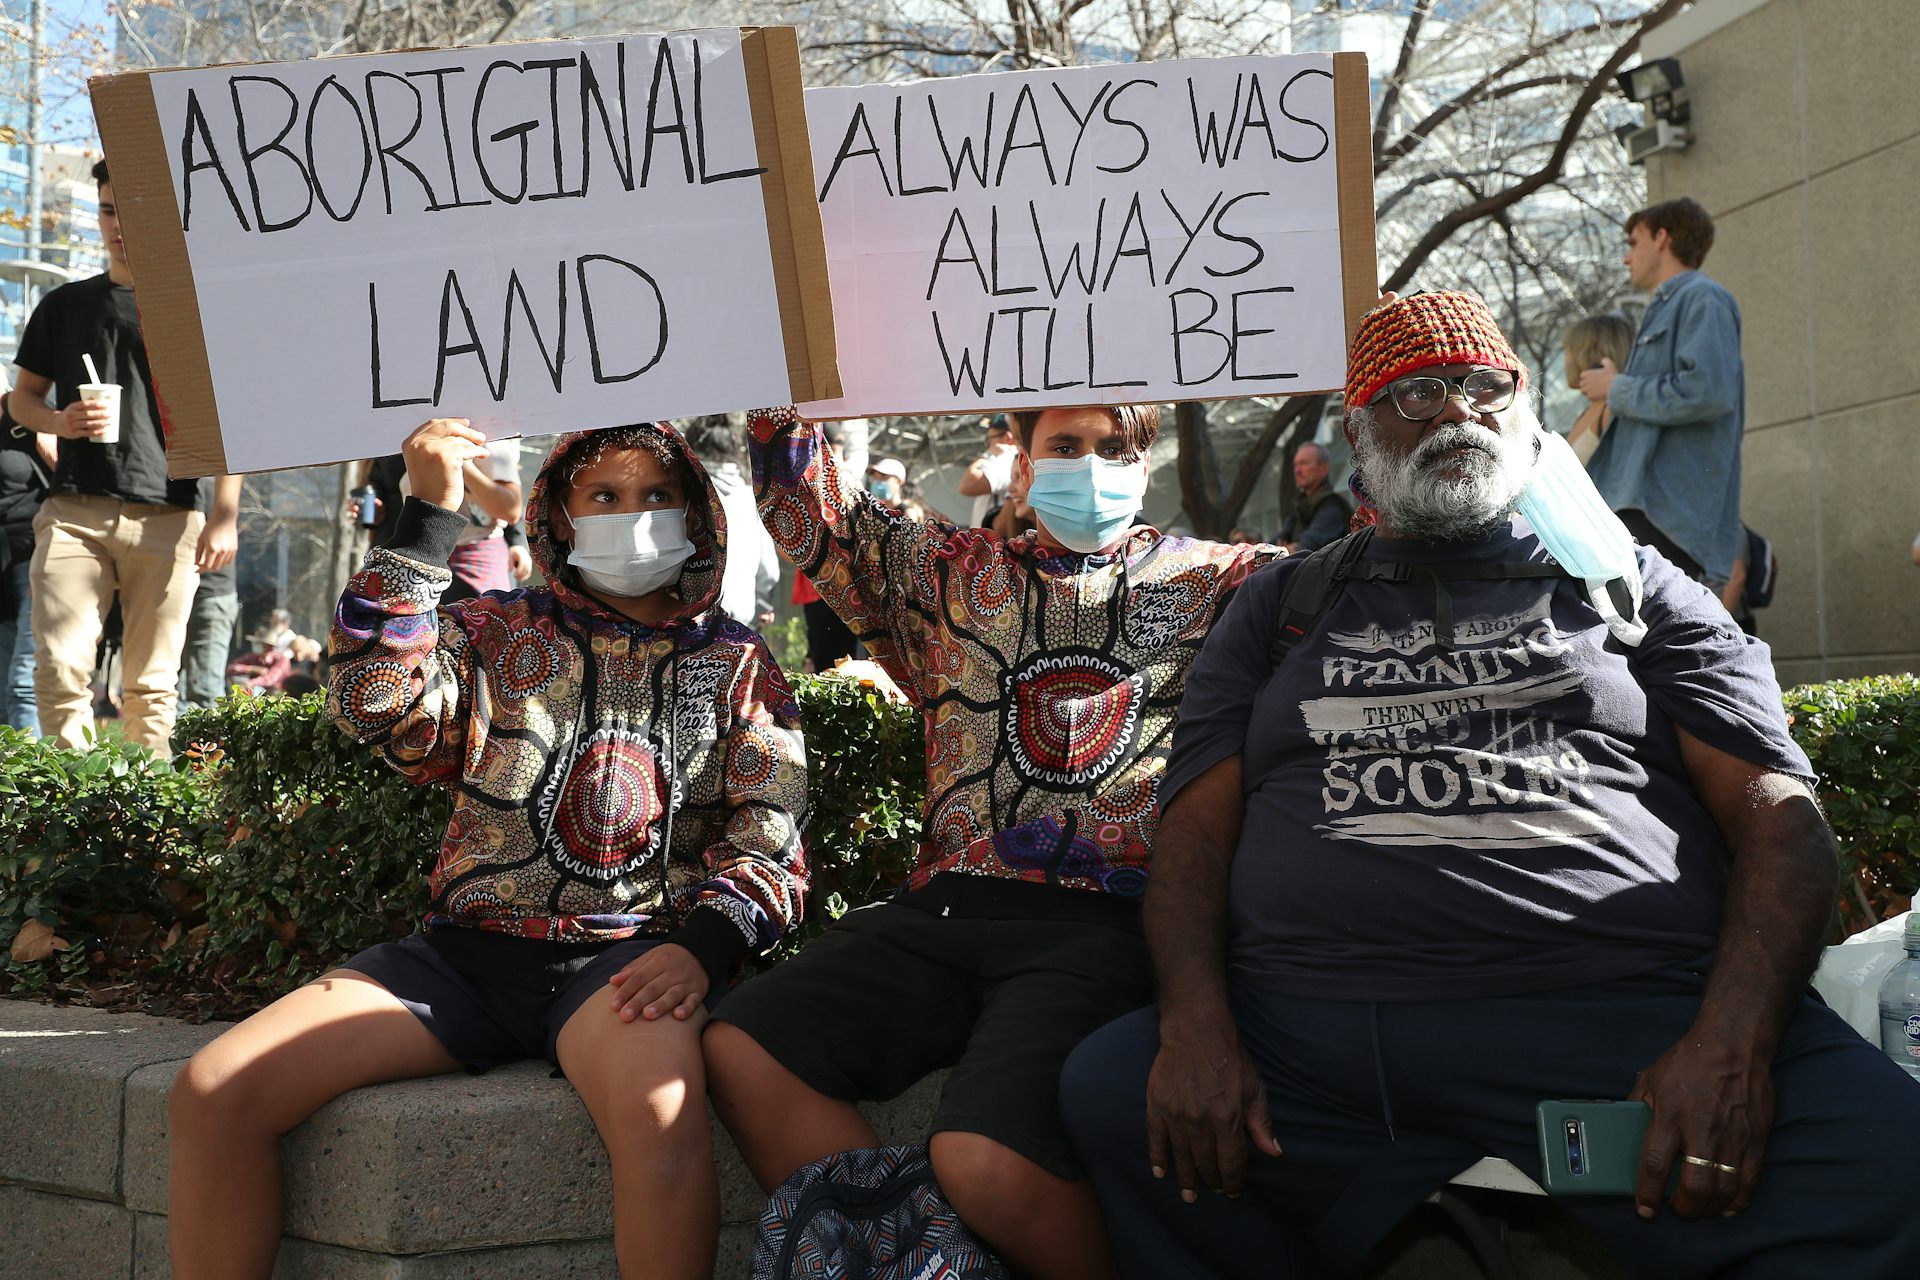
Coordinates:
(275,847)
(1863,737)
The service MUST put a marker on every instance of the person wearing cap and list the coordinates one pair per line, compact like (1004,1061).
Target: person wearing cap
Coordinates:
(1516,818)
(887,479)
(1047,668)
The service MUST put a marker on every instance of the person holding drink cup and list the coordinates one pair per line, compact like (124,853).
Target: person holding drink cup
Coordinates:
(113,520)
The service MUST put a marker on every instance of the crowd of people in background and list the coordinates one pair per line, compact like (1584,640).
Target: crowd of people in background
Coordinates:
(110,566)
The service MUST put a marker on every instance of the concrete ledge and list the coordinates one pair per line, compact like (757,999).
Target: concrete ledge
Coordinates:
(499,1176)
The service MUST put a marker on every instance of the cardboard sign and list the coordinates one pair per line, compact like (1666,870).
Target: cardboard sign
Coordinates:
(538,237)
(1147,232)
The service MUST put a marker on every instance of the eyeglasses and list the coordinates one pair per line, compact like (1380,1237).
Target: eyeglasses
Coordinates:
(1425,395)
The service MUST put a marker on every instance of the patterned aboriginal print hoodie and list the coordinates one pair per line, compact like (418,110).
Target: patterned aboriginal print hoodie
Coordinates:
(1048,679)
(559,726)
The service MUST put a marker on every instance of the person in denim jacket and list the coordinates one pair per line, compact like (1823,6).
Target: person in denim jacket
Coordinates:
(1670,463)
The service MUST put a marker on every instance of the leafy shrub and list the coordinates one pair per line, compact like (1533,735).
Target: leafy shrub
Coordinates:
(278,847)
(1863,737)
(319,848)
(866,783)
(89,843)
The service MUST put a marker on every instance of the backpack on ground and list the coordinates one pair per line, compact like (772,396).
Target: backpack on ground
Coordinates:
(875,1214)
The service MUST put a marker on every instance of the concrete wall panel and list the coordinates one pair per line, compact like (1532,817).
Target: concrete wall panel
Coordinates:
(1771,288)
(1866,279)
(1774,498)
(1860,58)
(1869,508)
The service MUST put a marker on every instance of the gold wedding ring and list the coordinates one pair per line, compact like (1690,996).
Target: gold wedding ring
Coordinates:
(1705,1163)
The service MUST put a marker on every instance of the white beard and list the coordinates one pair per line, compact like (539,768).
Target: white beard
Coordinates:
(1461,498)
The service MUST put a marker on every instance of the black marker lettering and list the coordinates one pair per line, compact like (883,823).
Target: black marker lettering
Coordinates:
(1259,253)
(450,293)
(1019,315)
(373,342)
(976,163)
(1114,101)
(848,151)
(366,150)
(1213,144)
(1250,122)
(1240,335)
(518,131)
(439,76)
(196,126)
(1315,125)
(1182,332)
(1024,99)
(600,374)
(1080,121)
(1191,232)
(663,68)
(967,373)
(274,146)
(620,149)
(899,156)
(700,130)
(956,219)
(386,152)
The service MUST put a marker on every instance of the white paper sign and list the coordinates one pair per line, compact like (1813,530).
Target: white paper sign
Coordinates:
(537,237)
(1146,232)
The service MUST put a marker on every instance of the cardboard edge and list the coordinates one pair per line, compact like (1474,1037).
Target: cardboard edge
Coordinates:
(772,58)
(1353,133)
(169,305)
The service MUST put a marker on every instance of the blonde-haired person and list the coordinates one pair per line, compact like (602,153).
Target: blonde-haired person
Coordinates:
(1607,336)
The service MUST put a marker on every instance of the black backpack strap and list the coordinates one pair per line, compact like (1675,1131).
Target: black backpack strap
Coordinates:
(1440,575)
(1312,589)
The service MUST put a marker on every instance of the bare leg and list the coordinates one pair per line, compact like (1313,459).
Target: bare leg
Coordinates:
(1048,1226)
(645,1086)
(234,1099)
(778,1122)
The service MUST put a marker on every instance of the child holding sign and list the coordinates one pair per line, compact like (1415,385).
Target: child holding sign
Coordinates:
(628,774)
(1048,667)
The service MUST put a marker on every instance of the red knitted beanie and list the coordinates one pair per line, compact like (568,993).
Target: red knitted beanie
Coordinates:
(1422,330)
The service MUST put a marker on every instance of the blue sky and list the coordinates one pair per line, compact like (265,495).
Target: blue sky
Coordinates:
(71,121)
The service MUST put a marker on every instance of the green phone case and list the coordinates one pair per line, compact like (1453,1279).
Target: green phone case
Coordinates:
(1591,1148)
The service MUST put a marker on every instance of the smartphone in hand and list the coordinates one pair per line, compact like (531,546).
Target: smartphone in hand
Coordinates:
(1591,1147)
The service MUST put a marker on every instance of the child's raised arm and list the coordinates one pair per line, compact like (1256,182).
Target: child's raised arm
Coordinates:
(402,671)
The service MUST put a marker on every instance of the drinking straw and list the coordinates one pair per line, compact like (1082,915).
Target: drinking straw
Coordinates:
(93,374)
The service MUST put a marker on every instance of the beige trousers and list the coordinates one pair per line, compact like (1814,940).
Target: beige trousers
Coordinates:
(85,549)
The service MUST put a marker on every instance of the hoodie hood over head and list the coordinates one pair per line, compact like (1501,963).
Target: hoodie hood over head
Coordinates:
(699,585)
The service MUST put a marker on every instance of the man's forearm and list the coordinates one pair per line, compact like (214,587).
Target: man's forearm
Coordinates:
(1778,910)
(226,501)
(1185,912)
(1185,919)
(33,412)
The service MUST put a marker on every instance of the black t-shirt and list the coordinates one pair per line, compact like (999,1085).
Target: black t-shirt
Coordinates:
(1509,815)
(97,317)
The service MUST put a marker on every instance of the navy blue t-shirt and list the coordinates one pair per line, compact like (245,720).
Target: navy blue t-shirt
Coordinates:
(1513,815)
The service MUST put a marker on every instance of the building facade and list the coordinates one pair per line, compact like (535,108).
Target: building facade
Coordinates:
(1807,153)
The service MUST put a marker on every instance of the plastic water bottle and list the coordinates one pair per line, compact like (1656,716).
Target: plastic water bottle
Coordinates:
(1900,1004)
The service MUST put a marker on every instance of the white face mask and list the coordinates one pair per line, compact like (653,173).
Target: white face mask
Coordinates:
(630,555)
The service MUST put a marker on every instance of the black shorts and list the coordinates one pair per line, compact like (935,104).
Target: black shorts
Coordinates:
(492,998)
(1000,988)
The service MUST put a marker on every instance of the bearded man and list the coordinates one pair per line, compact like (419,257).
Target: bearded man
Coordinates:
(1515,817)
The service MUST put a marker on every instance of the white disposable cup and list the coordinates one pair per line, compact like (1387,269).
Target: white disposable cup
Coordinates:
(107,393)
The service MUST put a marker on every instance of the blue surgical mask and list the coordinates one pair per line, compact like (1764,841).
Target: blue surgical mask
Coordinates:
(1087,502)
(631,554)
(1579,530)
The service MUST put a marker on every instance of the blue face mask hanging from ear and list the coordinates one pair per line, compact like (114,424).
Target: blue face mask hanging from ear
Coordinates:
(1579,530)
(1087,502)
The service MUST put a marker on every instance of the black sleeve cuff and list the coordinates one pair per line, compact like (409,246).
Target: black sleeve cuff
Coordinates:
(716,942)
(426,533)
(515,534)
